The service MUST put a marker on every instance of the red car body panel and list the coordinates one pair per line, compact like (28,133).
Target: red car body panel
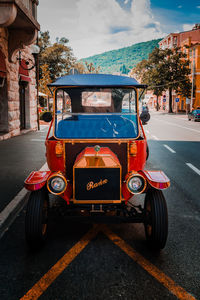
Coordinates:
(36,180)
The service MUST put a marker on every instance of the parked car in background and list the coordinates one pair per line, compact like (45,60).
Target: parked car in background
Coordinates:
(194,115)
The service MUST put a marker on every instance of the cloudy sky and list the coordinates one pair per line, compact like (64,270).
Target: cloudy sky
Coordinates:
(96,26)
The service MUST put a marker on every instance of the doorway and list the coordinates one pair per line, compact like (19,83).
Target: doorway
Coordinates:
(22,99)
(3,106)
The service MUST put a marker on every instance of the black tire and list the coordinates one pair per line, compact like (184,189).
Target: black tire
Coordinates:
(189,119)
(145,117)
(37,218)
(147,150)
(156,219)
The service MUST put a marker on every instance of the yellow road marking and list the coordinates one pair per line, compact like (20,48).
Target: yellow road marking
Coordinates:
(40,287)
(174,288)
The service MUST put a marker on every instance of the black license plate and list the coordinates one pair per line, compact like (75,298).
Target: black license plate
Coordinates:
(97,184)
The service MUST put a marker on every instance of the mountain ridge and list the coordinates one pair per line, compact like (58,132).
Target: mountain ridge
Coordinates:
(124,59)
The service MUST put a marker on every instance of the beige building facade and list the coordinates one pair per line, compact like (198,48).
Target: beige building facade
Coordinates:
(18,90)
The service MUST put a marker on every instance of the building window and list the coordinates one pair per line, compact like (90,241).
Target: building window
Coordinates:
(34,10)
(26,3)
(175,40)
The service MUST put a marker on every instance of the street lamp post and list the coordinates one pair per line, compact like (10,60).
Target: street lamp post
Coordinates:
(30,64)
(37,88)
(193,70)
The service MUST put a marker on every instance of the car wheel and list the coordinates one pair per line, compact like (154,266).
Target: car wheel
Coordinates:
(156,219)
(147,151)
(36,218)
(189,119)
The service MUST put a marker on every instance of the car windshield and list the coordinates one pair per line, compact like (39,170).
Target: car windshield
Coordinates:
(100,113)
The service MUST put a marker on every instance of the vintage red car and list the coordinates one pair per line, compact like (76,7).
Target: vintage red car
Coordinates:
(96,156)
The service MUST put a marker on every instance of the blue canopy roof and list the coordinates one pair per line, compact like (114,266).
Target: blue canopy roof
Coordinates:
(97,80)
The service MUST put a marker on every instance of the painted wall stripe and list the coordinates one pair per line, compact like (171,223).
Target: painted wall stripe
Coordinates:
(193,168)
(169,148)
(174,288)
(40,287)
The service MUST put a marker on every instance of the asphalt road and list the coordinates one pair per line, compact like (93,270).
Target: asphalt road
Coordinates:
(114,262)
(19,156)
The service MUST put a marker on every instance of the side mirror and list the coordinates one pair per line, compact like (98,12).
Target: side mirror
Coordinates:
(145,117)
(47,117)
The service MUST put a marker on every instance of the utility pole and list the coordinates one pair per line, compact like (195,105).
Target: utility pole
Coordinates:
(37,85)
(193,70)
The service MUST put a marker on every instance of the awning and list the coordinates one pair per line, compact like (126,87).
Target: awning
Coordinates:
(23,73)
(2,65)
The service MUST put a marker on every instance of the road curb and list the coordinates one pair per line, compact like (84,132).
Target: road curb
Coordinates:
(9,214)
(11,211)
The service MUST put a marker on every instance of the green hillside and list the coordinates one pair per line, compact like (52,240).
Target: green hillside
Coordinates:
(124,59)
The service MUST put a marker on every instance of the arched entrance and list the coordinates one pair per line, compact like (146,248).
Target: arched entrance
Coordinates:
(24,96)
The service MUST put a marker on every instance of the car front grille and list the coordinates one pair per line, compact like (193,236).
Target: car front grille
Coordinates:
(72,150)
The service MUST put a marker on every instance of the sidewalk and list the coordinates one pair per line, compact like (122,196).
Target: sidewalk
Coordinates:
(162,112)
(18,157)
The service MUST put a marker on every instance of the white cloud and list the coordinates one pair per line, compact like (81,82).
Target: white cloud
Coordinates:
(187,27)
(198,6)
(95,26)
(180,6)
(126,1)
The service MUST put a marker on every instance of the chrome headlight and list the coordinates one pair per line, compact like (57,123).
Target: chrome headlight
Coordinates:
(136,184)
(57,184)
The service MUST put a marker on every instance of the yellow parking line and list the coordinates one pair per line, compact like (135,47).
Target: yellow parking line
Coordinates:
(40,287)
(174,288)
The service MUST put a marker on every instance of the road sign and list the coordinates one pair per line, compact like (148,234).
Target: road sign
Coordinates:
(177,99)
(164,99)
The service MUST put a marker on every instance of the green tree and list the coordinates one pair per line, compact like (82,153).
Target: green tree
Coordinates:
(58,56)
(176,73)
(149,72)
(123,69)
(44,80)
(80,67)
(90,68)
(166,69)
(44,40)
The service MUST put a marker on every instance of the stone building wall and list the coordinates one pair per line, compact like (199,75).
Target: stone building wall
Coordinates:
(12,103)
